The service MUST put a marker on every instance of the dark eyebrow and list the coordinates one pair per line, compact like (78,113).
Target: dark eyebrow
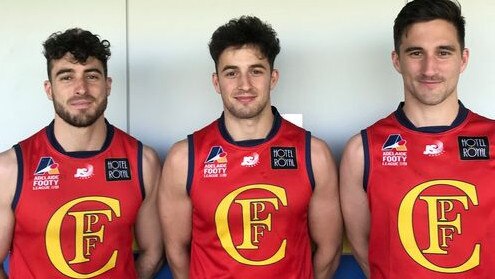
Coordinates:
(257,66)
(229,67)
(232,67)
(411,49)
(63,71)
(93,70)
(67,70)
(448,47)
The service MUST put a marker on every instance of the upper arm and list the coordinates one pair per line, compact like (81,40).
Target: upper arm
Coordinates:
(8,182)
(354,198)
(147,223)
(325,220)
(175,207)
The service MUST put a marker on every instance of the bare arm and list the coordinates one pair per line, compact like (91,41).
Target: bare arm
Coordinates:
(355,201)
(176,210)
(147,228)
(8,180)
(325,220)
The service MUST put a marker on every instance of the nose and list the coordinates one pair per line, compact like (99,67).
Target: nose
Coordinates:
(429,65)
(244,82)
(81,87)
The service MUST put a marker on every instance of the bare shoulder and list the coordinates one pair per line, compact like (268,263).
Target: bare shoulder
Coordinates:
(323,165)
(8,159)
(177,156)
(320,152)
(353,151)
(151,169)
(150,157)
(8,175)
(352,163)
(174,173)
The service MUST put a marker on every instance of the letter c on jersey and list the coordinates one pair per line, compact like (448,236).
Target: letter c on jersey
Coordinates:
(250,221)
(439,226)
(85,236)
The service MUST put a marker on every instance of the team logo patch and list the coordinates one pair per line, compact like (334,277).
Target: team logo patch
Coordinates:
(434,149)
(47,165)
(215,163)
(216,155)
(46,175)
(251,160)
(284,158)
(474,148)
(84,173)
(394,151)
(117,169)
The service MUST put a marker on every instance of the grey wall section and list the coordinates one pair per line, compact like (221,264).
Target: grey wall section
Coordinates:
(335,62)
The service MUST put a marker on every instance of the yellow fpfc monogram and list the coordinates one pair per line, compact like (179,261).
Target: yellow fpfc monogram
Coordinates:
(439,226)
(250,222)
(85,235)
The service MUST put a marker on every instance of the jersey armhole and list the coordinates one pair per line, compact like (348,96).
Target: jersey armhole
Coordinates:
(140,170)
(366,170)
(309,166)
(190,163)
(20,176)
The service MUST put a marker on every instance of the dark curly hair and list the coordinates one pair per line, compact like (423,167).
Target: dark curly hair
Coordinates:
(80,43)
(245,30)
(427,10)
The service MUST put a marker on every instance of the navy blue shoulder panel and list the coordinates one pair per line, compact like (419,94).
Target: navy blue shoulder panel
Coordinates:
(309,166)
(190,163)
(366,172)
(140,169)
(20,176)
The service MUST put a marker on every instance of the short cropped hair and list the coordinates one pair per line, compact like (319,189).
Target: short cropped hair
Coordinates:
(427,10)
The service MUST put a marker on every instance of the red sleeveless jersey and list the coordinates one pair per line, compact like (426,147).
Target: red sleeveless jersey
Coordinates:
(250,203)
(431,195)
(74,212)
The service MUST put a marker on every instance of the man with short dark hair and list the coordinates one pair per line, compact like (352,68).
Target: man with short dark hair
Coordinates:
(245,196)
(416,186)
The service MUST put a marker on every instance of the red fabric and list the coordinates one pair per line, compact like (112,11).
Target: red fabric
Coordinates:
(251,197)
(55,226)
(421,199)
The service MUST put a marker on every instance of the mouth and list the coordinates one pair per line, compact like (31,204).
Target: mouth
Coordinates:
(430,83)
(80,103)
(245,99)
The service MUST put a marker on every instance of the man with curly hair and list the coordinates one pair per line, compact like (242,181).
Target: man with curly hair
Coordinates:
(75,194)
(246,196)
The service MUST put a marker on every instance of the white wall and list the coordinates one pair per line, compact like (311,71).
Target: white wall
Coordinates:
(335,62)
(24,26)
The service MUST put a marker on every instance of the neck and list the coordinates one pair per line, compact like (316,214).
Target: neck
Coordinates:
(442,114)
(74,139)
(257,127)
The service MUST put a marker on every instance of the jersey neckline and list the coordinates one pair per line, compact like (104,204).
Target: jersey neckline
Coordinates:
(50,132)
(277,122)
(404,121)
